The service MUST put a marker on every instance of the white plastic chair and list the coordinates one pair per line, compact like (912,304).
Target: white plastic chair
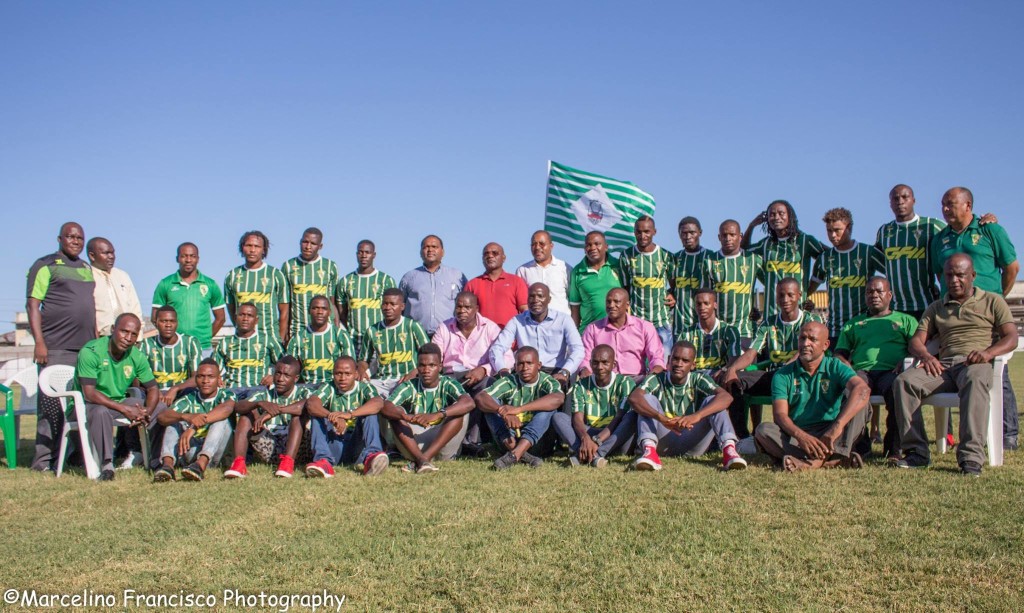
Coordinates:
(945,401)
(58,382)
(28,380)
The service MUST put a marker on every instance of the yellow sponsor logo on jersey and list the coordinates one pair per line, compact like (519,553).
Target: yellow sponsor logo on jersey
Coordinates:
(781,357)
(310,288)
(365,303)
(395,357)
(911,253)
(851,281)
(649,282)
(321,364)
(783,267)
(732,287)
(599,422)
(687,283)
(708,362)
(236,364)
(254,297)
(172,378)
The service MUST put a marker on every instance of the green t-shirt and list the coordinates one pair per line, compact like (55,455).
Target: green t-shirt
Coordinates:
(989,247)
(307,280)
(283,419)
(732,277)
(646,277)
(588,289)
(776,340)
(416,399)
(600,404)
(790,257)
(346,402)
(111,377)
(713,348)
(877,343)
(846,275)
(908,266)
(683,399)
(395,347)
(193,303)
(172,364)
(813,399)
(319,350)
(362,295)
(512,391)
(193,402)
(688,274)
(266,287)
(244,361)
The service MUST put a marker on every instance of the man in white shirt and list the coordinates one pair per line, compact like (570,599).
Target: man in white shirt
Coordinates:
(114,293)
(547,269)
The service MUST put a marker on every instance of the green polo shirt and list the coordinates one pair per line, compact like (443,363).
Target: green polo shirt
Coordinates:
(967,326)
(111,377)
(193,302)
(877,343)
(588,288)
(988,245)
(813,399)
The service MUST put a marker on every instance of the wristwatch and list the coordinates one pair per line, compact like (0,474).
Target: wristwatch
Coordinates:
(444,413)
(597,439)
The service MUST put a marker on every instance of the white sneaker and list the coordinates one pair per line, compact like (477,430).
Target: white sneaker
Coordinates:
(134,459)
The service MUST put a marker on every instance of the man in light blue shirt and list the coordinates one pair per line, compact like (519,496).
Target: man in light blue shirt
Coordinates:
(430,290)
(552,333)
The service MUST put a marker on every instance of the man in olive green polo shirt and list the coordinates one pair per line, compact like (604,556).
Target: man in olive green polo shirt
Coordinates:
(964,320)
(814,425)
(591,280)
(106,368)
(193,296)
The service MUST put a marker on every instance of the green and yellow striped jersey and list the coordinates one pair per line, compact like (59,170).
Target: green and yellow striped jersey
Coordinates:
(172,364)
(394,347)
(790,257)
(908,265)
(346,402)
(846,274)
(646,277)
(193,402)
(266,287)
(361,295)
(283,419)
(776,340)
(683,399)
(416,399)
(319,350)
(715,348)
(688,274)
(244,361)
(733,277)
(600,404)
(307,280)
(512,391)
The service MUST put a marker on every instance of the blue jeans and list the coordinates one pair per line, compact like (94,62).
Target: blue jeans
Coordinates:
(532,431)
(212,445)
(622,436)
(692,442)
(667,340)
(329,445)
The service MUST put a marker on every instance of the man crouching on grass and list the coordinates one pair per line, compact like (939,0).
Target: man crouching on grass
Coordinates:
(265,419)
(339,411)
(814,426)
(197,428)
(427,414)
(518,409)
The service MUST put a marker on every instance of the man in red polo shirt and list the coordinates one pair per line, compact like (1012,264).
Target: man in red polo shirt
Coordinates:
(501,295)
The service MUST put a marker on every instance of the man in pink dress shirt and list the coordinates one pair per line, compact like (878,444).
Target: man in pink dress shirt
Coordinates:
(465,341)
(638,348)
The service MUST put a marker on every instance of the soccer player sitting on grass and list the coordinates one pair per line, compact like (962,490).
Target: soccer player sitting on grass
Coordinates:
(341,412)
(679,411)
(265,420)
(319,343)
(814,426)
(393,341)
(518,409)
(600,421)
(428,414)
(197,430)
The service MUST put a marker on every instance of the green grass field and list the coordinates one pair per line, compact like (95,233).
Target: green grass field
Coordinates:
(467,539)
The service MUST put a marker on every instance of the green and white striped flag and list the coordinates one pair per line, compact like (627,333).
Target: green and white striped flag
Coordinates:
(579,202)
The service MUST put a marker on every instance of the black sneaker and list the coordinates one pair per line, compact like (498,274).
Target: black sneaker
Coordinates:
(911,460)
(472,450)
(193,472)
(970,469)
(1010,444)
(531,460)
(504,462)
(163,474)
(106,475)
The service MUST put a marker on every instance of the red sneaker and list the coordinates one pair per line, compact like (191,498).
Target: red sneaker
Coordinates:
(950,441)
(375,463)
(237,470)
(321,469)
(649,460)
(285,467)
(732,460)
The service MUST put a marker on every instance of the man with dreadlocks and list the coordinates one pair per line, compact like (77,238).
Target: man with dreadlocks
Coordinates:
(785,251)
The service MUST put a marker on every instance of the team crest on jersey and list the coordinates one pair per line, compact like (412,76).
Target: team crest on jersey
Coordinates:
(256,347)
(743,270)
(320,275)
(975,239)
(857,263)
(825,383)
(330,346)
(264,282)
(402,336)
(660,266)
(632,262)
(127,368)
(203,290)
(181,360)
(374,288)
(917,234)
(895,326)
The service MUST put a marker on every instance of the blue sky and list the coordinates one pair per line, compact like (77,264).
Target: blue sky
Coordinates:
(156,123)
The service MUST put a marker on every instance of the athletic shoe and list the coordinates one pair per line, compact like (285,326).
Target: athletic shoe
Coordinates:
(970,469)
(506,461)
(426,467)
(375,463)
(132,459)
(648,460)
(573,461)
(193,472)
(732,460)
(106,475)
(950,441)
(912,460)
(599,462)
(530,460)
(286,467)
(320,469)
(237,470)
(163,475)
(1009,444)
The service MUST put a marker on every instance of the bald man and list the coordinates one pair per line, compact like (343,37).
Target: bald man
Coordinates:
(547,269)
(817,408)
(501,296)
(638,348)
(964,321)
